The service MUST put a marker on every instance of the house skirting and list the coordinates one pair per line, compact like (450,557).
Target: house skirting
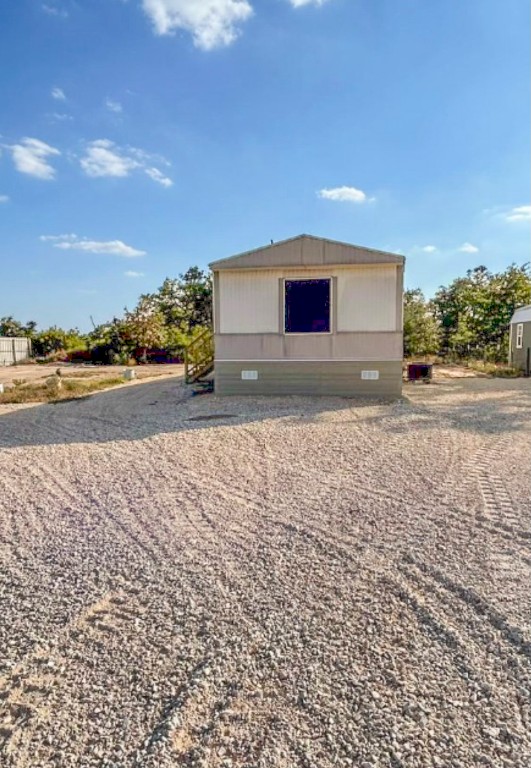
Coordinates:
(309,377)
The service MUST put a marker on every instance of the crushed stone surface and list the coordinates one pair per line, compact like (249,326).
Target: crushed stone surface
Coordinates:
(267,583)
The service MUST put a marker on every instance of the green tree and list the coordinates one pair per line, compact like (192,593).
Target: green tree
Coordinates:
(142,328)
(11,327)
(474,311)
(184,302)
(56,339)
(195,297)
(421,329)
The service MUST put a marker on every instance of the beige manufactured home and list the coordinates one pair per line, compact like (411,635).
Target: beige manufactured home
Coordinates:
(308,316)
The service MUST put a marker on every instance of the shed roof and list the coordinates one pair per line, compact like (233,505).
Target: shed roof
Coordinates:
(522,314)
(306,250)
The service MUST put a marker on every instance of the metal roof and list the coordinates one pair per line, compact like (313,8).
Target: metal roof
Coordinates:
(317,251)
(522,315)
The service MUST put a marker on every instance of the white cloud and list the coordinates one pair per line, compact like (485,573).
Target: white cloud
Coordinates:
(113,106)
(131,273)
(156,175)
(469,248)
(429,248)
(52,10)
(301,3)
(212,23)
(520,213)
(51,238)
(105,158)
(344,195)
(4,199)
(59,117)
(58,94)
(30,156)
(76,243)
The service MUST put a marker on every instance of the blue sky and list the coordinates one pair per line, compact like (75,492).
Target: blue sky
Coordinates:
(139,137)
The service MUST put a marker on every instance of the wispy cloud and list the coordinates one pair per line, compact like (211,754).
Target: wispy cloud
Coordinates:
(212,23)
(31,156)
(105,158)
(59,117)
(468,248)
(520,213)
(131,273)
(113,106)
(344,195)
(159,177)
(4,199)
(53,10)
(58,94)
(76,243)
(429,248)
(301,3)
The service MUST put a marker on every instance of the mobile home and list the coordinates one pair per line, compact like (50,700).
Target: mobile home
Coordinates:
(308,316)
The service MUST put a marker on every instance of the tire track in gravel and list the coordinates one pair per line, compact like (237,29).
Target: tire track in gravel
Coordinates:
(106,506)
(497,503)
(233,531)
(512,635)
(497,515)
(26,692)
(249,610)
(479,673)
(474,629)
(253,562)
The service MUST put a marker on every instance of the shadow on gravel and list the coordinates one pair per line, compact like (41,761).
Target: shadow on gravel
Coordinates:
(161,407)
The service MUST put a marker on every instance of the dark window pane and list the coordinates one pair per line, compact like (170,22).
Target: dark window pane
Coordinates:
(307,306)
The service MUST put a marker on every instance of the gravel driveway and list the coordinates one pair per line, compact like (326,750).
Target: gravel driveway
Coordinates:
(269,583)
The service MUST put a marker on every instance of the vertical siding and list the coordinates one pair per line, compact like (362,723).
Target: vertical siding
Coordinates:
(14,350)
(367,299)
(518,356)
(248,302)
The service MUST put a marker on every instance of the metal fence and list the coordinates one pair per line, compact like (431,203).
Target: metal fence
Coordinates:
(14,350)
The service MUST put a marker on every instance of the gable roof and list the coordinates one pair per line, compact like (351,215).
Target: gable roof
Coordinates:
(306,250)
(522,314)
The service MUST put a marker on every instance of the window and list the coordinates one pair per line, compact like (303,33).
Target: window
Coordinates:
(519,335)
(307,306)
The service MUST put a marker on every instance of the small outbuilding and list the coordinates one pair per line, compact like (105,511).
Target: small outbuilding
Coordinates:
(309,316)
(14,349)
(520,339)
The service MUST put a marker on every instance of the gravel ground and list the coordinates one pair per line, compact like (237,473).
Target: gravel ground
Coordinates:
(269,583)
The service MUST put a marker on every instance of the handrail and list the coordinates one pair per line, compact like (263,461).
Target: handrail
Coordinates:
(199,356)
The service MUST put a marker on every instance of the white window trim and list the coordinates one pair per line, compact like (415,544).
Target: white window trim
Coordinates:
(304,278)
(519,335)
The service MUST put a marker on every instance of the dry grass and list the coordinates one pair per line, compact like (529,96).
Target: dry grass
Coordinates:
(42,393)
(497,370)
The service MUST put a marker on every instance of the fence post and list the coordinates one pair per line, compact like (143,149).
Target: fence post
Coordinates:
(13,345)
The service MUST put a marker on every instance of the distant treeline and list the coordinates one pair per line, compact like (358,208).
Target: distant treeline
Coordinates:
(157,329)
(469,318)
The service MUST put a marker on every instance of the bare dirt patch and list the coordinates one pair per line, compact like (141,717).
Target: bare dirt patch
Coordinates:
(297,582)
